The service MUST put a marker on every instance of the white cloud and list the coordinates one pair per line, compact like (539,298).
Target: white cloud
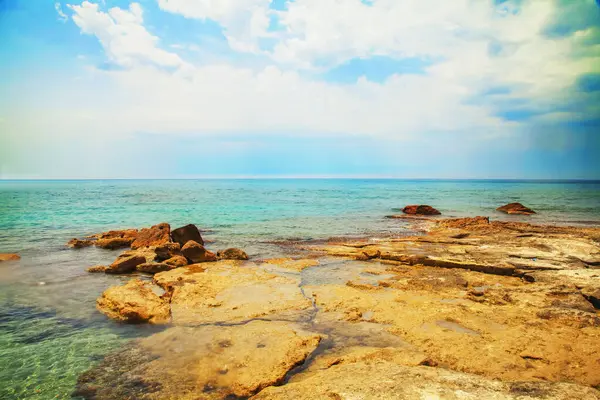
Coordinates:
(122,35)
(61,15)
(457,35)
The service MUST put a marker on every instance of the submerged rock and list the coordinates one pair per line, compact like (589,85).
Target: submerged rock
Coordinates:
(154,236)
(196,253)
(123,265)
(134,302)
(208,362)
(380,380)
(9,257)
(516,208)
(232,254)
(420,210)
(185,234)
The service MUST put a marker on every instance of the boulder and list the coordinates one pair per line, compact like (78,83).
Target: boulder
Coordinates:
(153,236)
(9,257)
(114,243)
(134,302)
(515,208)
(97,268)
(154,267)
(232,254)
(177,261)
(185,234)
(420,210)
(196,253)
(167,250)
(123,265)
(79,244)
(115,234)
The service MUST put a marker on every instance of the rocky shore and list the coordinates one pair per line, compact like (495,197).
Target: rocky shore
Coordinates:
(468,308)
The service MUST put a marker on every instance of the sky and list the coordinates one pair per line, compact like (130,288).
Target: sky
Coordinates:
(300,88)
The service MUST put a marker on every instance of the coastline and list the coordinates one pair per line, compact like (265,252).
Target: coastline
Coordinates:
(491,308)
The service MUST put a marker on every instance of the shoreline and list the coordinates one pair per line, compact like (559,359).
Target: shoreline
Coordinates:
(468,299)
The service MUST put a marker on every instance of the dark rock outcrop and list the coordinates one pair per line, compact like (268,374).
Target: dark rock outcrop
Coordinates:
(154,236)
(185,234)
(196,253)
(420,210)
(516,208)
(232,254)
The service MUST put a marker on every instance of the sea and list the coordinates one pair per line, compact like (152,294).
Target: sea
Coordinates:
(50,330)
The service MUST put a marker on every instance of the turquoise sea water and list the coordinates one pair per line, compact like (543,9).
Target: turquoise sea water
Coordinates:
(49,329)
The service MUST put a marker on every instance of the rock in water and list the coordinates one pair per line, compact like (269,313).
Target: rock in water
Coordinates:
(420,210)
(232,254)
(154,267)
(9,257)
(123,265)
(114,243)
(97,268)
(134,302)
(206,362)
(515,208)
(79,244)
(185,234)
(196,253)
(155,236)
(373,380)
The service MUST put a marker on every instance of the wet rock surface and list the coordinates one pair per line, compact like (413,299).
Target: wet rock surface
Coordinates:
(515,208)
(472,309)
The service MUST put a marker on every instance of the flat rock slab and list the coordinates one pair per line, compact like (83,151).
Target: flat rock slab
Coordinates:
(209,362)
(227,291)
(386,380)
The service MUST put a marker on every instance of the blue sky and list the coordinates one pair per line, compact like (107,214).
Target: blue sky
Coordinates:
(190,88)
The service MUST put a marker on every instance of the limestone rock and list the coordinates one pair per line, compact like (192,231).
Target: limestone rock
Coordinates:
(114,243)
(208,362)
(79,244)
(134,302)
(116,234)
(154,267)
(420,210)
(177,261)
(97,268)
(592,294)
(9,257)
(290,263)
(232,254)
(167,250)
(515,208)
(153,236)
(380,380)
(123,265)
(185,234)
(196,253)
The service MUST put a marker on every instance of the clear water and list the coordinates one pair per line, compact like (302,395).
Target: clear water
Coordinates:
(49,329)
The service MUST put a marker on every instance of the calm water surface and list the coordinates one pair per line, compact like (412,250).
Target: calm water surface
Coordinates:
(49,329)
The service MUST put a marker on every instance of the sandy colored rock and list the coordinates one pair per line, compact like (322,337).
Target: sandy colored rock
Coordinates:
(209,362)
(115,234)
(167,250)
(385,380)
(154,267)
(134,302)
(197,253)
(420,210)
(79,244)
(232,254)
(9,257)
(153,236)
(114,243)
(123,265)
(97,268)
(224,291)
(515,208)
(185,234)
(177,261)
(147,253)
(290,263)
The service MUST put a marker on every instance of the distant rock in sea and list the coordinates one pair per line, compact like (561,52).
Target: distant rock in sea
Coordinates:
(420,210)
(9,257)
(515,208)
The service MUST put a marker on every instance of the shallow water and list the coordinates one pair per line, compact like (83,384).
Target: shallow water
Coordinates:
(49,329)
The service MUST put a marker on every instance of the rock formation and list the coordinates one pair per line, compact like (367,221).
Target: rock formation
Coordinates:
(232,254)
(185,234)
(516,208)
(420,210)
(196,253)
